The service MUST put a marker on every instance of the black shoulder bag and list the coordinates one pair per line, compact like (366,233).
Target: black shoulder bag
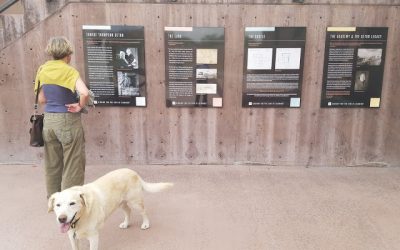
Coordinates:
(37,124)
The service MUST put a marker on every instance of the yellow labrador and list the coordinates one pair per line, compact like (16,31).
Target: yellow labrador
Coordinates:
(82,210)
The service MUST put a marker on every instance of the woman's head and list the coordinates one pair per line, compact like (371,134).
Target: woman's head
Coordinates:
(59,47)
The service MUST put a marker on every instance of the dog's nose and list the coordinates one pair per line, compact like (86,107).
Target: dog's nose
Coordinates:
(62,218)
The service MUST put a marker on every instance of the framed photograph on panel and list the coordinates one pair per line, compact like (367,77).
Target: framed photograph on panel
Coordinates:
(353,67)
(115,64)
(194,70)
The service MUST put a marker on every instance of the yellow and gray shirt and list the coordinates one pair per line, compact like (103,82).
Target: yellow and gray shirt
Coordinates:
(58,80)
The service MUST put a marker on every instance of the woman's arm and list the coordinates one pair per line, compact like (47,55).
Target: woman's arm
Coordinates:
(83,97)
(83,92)
(42,99)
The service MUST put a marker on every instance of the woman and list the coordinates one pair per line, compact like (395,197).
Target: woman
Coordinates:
(64,142)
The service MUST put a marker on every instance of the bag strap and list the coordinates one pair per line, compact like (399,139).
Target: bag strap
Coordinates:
(36,106)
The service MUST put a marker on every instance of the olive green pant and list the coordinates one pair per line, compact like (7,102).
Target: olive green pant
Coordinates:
(64,151)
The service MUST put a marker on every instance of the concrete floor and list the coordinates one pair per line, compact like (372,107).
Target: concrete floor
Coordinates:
(224,208)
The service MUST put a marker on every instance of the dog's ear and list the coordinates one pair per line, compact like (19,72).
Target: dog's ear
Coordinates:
(83,198)
(50,203)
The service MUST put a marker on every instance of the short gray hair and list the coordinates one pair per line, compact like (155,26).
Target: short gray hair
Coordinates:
(59,47)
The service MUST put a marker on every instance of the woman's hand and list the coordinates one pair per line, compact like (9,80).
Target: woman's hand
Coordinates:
(73,107)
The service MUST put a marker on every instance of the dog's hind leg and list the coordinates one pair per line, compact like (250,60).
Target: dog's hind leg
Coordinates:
(127,213)
(140,207)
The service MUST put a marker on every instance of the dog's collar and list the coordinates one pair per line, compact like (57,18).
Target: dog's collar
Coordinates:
(73,223)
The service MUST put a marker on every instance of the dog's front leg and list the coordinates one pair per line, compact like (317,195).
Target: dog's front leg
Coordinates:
(74,241)
(94,241)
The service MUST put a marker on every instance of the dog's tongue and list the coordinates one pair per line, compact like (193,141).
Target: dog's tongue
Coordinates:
(65,227)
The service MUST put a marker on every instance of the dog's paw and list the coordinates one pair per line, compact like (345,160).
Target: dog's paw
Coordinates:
(145,225)
(123,225)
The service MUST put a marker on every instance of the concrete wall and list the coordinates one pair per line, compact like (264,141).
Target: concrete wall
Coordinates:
(158,135)
(16,8)
(22,16)
(11,23)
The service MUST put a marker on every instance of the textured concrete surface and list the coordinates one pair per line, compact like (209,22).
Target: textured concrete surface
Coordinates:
(223,207)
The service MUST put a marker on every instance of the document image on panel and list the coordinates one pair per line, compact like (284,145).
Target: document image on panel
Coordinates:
(273,66)
(287,58)
(259,58)
(206,56)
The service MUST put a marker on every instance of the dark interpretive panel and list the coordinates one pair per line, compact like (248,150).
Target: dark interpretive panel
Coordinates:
(115,64)
(273,66)
(353,68)
(194,69)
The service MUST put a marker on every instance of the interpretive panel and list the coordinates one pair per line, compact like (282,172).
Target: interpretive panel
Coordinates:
(353,68)
(115,64)
(194,70)
(273,66)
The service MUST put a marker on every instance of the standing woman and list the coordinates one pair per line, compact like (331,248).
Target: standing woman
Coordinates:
(64,141)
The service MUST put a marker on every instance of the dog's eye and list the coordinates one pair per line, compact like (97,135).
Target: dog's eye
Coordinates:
(72,203)
(58,205)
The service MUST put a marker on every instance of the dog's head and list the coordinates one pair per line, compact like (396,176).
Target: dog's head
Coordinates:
(68,206)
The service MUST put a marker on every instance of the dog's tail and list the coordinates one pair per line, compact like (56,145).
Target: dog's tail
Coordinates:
(155,187)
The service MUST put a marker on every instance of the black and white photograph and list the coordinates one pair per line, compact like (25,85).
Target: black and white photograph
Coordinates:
(206,73)
(370,57)
(361,81)
(127,58)
(128,83)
